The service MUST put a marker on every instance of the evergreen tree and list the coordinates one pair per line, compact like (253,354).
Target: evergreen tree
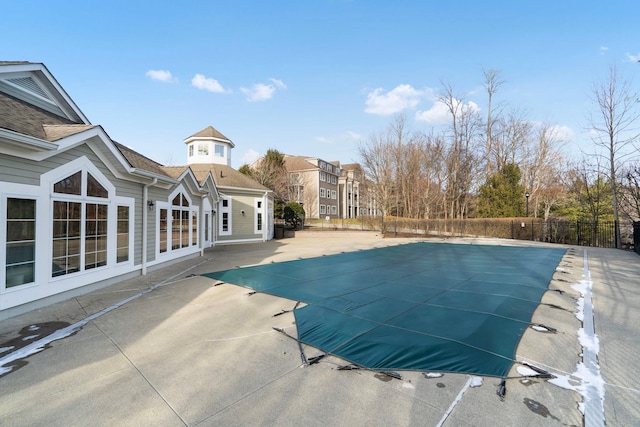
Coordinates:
(502,195)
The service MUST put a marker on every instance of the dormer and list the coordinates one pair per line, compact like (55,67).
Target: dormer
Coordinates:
(209,147)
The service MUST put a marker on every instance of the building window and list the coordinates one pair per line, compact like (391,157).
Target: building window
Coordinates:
(323,176)
(334,180)
(21,242)
(203,150)
(164,230)
(334,210)
(79,224)
(194,228)
(122,251)
(179,222)
(191,150)
(219,150)
(225,221)
(259,215)
(323,193)
(95,236)
(206,227)
(323,209)
(67,218)
(334,194)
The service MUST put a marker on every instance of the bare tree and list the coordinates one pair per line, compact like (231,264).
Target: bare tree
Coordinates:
(543,169)
(630,192)
(613,127)
(460,160)
(492,82)
(378,163)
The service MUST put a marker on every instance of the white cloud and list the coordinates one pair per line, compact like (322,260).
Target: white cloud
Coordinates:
(278,83)
(160,75)
(353,135)
(633,58)
(249,157)
(258,92)
(562,133)
(262,92)
(400,98)
(439,113)
(207,83)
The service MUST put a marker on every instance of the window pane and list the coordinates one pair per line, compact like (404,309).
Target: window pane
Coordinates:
(176,201)
(21,209)
(21,252)
(70,185)
(20,274)
(225,221)
(163,230)
(194,228)
(94,188)
(122,245)
(66,238)
(20,230)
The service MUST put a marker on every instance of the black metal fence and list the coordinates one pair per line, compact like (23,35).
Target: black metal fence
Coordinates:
(583,233)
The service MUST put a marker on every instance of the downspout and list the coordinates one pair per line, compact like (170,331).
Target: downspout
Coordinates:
(145,222)
(265,215)
(202,224)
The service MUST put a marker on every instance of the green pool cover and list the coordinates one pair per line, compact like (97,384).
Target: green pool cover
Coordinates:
(420,306)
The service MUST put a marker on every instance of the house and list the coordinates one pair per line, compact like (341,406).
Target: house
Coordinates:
(245,207)
(79,211)
(314,183)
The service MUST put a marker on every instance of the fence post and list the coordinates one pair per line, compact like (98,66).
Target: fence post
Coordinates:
(532,232)
(513,235)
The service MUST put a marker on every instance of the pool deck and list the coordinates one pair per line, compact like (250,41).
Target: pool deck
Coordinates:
(185,352)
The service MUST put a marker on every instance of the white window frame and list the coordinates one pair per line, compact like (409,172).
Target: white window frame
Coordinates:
(225,210)
(334,194)
(323,209)
(323,176)
(3,238)
(258,209)
(169,207)
(217,148)
(323,193)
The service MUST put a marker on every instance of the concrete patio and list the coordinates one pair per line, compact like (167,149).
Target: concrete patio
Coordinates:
(189,352)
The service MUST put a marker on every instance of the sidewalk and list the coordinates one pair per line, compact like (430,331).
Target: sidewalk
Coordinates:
(191,353)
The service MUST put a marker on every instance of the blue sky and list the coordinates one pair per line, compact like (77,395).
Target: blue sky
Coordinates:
(315,78)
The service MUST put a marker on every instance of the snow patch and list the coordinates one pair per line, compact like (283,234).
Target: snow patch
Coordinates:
(588,342)
(539,328)
(408,385)
(5,349)
(33,328)
(526,372)
(29,338)
(432,375)
(475,382)
(580,381)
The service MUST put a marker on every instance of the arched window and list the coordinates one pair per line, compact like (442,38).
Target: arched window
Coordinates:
(177,225)
(80,215)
